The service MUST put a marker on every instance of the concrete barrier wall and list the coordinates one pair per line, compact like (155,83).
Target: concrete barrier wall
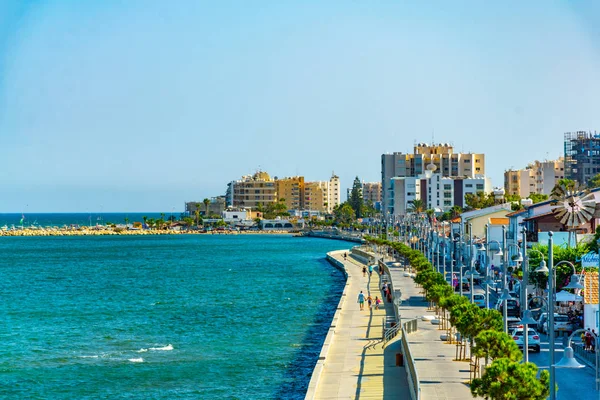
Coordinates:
(316,375)
(365,257)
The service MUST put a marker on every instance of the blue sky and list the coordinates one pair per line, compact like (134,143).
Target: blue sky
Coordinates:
(143,105)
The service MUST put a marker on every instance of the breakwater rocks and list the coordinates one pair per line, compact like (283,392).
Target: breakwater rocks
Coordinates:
(84,231)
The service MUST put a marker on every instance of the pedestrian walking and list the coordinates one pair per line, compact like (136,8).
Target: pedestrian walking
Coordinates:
(361,300)
(369,301)
(377,302)
(588,340)
(364,270)
(370,270)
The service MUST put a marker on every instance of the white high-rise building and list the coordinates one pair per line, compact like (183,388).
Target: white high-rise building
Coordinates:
(452,175)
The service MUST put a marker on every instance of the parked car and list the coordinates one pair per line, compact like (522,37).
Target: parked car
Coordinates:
(561,324)
(512,307)
(479,299)
(465,287)
(513,322)
(532,337)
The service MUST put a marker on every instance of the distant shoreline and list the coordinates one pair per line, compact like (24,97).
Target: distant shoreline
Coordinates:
(84,231)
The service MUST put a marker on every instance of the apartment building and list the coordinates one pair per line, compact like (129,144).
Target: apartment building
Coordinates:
(292,190)
(436,191)
(371,191)
(582,155)
(447,163)
(252,190)
(538,177)
(322,196)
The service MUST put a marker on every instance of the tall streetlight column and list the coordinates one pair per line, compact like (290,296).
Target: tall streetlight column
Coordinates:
(504,280)
(551,312)
(471,260)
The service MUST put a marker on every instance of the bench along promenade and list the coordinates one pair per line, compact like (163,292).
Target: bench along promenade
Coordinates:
(358,361)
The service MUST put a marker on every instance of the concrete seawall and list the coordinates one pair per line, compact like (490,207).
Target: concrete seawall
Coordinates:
(316,375)
(353,362)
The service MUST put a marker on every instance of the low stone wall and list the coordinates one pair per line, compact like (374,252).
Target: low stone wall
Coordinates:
(361,255)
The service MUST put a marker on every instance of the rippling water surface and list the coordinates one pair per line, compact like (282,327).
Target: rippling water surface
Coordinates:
(163,317)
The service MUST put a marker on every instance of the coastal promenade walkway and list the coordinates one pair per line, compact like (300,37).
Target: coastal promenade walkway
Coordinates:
(440,377)
(356,365)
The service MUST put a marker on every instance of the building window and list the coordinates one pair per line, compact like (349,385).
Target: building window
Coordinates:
(447,203)
(477,169)
(447,195)
(479,186)
(447,187)
(469,185)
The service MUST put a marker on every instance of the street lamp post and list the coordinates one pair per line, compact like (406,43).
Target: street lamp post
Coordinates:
(551,313)
(471,261)
(527,318)
(573,284)
(444,244)
(505,295)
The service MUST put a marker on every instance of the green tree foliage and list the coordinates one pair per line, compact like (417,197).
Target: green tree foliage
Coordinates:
(564,271)
(197,213)
(275,209)
(416,206)
(538,198)
(206,204)
(188,221)
(344,214)
(368,209)
(356,198)
(439,291)
(593,245)
(512,197)
(561,185)
(479,200)
(496,344)
(510,380)
(594,181)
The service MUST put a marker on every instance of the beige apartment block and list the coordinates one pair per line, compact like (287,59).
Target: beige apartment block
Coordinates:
(316,196)
(292,191)
(371,191)
(538,177)
(252,190)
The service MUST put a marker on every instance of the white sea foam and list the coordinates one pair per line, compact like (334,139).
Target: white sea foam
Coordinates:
(142,350)
(88,356)
(168,347)
(136,360)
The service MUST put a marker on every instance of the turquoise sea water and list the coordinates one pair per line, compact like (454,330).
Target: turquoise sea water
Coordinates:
(163,317)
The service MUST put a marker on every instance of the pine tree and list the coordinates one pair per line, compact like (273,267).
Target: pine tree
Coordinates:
(356,198)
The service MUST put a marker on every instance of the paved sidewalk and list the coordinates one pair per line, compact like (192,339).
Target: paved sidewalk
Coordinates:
(356,366)
(439,376)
